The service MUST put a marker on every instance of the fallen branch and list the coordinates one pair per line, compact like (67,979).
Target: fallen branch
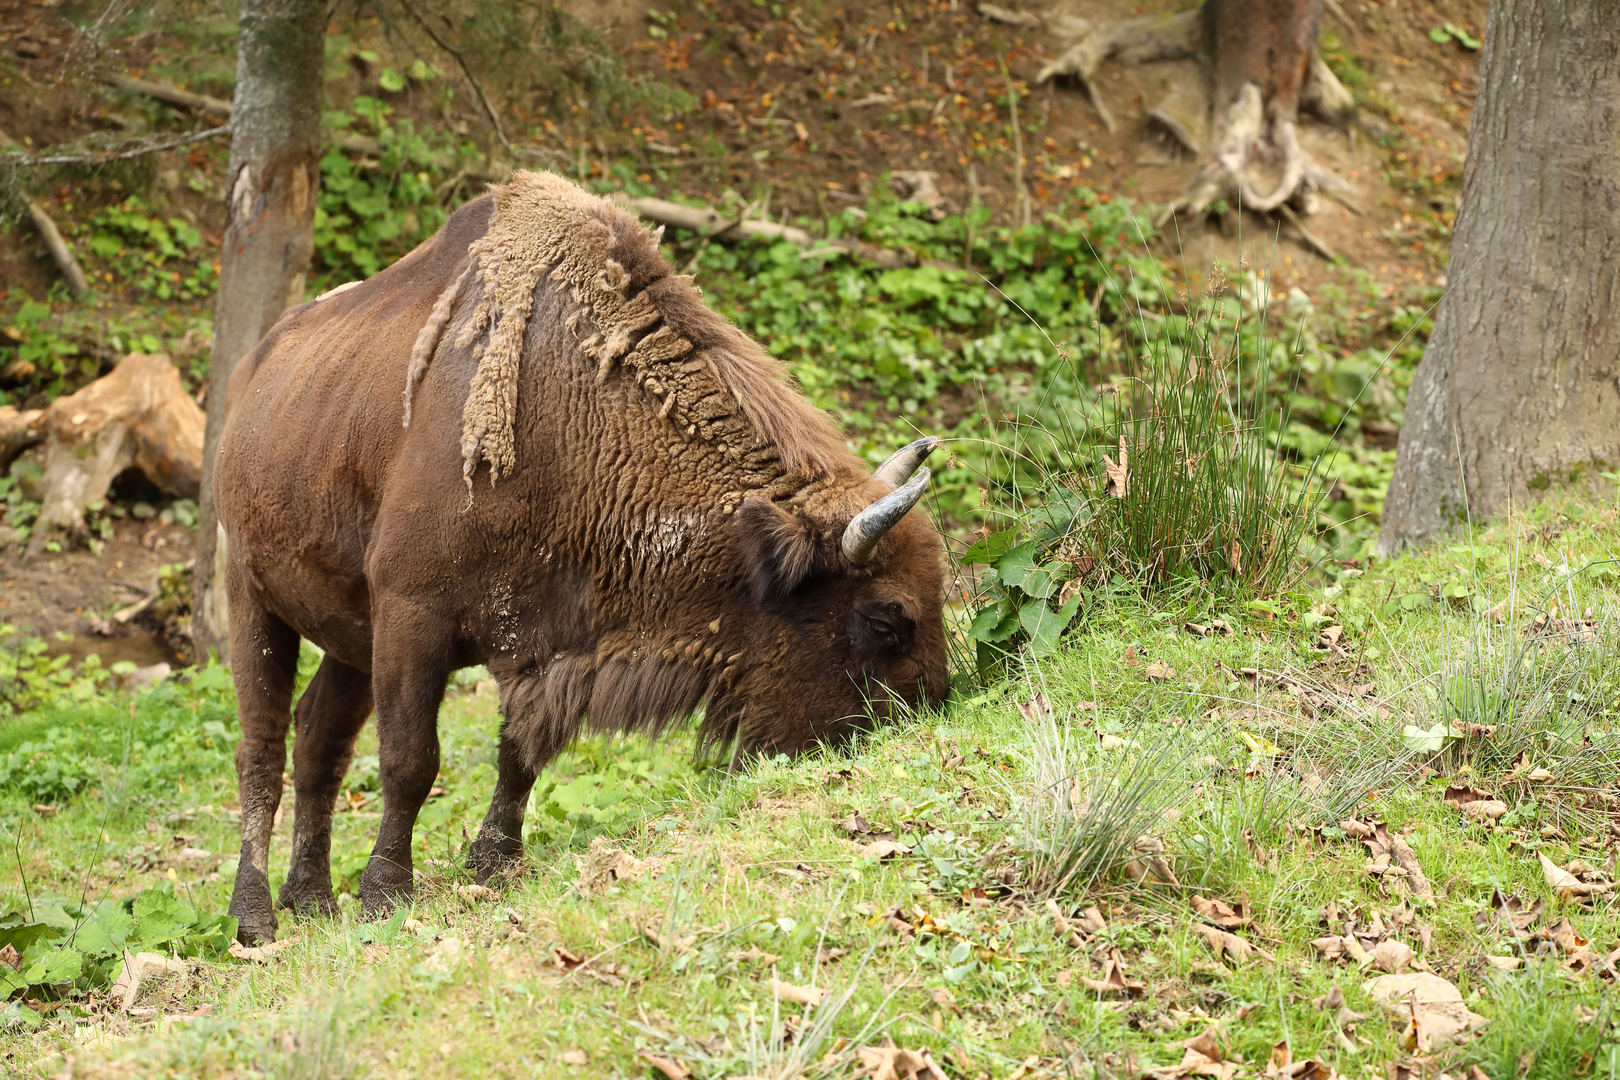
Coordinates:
(712,225)
(171,94)
(71,270)
(348,141)
(103,157)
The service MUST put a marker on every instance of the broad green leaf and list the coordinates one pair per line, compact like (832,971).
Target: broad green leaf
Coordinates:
(985,622)
(105,934)
(991,548)
(1426,741)
(17,931)
(1043,626)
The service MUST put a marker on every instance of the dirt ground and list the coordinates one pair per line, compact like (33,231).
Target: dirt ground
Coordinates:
(77,591)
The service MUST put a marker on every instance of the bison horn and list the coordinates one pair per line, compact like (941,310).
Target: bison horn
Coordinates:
(899,466)
(864,531)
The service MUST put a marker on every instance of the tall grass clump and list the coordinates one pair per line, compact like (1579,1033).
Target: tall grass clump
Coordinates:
(1091,805)
(1167,476)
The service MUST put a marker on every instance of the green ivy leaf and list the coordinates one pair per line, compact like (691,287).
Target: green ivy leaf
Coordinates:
(991,548)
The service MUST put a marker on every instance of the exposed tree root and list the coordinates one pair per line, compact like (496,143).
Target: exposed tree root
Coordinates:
(1249,148)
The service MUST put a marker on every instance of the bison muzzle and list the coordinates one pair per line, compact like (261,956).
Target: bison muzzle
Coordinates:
(594,486)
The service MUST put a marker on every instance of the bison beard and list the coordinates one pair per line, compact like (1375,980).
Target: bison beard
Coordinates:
(667,526)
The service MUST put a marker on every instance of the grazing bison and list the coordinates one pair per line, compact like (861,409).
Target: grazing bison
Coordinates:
(594,485)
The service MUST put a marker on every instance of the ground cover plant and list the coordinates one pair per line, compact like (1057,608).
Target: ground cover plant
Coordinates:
(1213,823)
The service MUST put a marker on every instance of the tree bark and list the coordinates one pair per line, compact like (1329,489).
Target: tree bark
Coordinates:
(1519,387)
(272,181)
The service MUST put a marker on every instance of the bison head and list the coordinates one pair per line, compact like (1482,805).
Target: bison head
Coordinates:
(848,597)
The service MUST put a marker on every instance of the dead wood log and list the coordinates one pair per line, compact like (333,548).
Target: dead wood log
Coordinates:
(140,415)
(65,262)
(19,429)
(53,240)
(715,225)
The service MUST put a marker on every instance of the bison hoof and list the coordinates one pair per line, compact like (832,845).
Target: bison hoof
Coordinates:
(497,857)
(383,886)
(308,899)
(250,905)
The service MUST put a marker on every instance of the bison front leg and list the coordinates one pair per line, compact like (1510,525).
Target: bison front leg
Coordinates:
(328,719)
(499,844)
(410,653)
(264,663)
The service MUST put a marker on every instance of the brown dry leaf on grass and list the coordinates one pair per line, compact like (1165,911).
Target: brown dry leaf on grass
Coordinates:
(1200,1056)
(1119,478)
(666,1065)
(1282,1066)
(1150,862)
(475,893)
(1113,980)
(1223,943)
(1075,930)
(257,954)
(1159,672)
(1568,885)
(882,849)
(1432,1008)
(139,967)
(1035,709)
(605,866)
(576,1058)
(1222,914)
(797,995)
(890,1062)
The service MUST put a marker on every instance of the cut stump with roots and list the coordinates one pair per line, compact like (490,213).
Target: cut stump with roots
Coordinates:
(1238,112)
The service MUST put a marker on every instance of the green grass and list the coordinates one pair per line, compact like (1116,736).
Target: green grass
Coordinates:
(948,946)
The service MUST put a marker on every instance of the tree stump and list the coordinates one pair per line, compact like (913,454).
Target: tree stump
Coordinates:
(138,416)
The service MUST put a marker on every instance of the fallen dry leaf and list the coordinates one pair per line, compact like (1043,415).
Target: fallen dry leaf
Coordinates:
(1392,956)
(1567,884)
(890,1062)
(1106,741)
(798,995)
(1458,794)
(666,1065)
(1505,963)
(476,893)
(1432,1007)
(575,1058)
(138,967)
(1119,478)
(1035,709)
(1113,980)
(1484,810)
(882,849)
(1224,943)
(1158,671)
(257,954)
(1150,861)
(605,866)
(1223,914)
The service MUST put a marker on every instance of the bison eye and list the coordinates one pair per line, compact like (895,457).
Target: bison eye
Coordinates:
(882,626)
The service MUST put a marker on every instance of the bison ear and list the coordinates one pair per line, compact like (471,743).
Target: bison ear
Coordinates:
(778,547)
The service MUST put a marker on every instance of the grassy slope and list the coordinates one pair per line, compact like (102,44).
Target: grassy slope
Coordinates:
(759,864)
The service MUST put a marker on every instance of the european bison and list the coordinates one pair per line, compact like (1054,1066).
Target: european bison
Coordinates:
(594,485)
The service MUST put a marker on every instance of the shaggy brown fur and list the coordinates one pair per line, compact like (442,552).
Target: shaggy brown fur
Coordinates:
(664,536)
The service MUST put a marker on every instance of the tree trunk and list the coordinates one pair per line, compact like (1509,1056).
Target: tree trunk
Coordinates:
(1520,384)
(272,181)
